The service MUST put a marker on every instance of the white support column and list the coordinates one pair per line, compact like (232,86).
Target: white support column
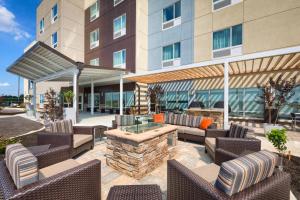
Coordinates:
(121,94)
(75,92)
(34,98)
(92,98)
(226,95)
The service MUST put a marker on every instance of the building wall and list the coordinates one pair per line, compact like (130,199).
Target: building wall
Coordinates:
(267,25)
(108,45)
(157,38)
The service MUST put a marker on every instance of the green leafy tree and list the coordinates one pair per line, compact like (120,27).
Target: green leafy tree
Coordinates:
(68,97)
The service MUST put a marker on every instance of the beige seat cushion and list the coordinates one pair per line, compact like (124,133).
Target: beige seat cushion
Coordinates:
(211,143)
(180,129)
(194,131)
(80,139)
(208,172)
(52,170)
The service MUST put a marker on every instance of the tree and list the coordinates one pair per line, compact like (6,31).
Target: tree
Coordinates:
(68,97)
(155,94)
(267,97)
(51,108)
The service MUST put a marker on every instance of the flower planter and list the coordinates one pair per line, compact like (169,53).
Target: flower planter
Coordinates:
(69,113)
(268,127)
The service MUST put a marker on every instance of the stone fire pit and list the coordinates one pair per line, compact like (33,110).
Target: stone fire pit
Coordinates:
(138,154)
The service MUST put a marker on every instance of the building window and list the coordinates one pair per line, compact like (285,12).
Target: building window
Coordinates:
(41,99)
(94,39)
(54,14)
(171,55)
(42,25)
(120,26)
(54,40)
(94,11)
(172,15)
(227,42)
(94,62)
(119,59)
(116,2)
(218,4)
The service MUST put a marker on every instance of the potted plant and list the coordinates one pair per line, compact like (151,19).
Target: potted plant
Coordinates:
(69,112)
(279,139)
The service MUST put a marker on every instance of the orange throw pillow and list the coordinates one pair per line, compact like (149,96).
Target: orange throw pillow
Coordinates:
(206,122)
(158,118)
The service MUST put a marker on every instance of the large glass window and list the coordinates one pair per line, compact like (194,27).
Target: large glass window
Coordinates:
(252,108)
(108,99)
(94,39)
(116,2)
(42,25)
(54,40)
(96,100)
(236,102)
(232,36)
(202,97)
(171,12)
(94,62)
(54,13)
(112,99)
(120,26)
(94,11)
(176,100)
(171,52)
(119,59)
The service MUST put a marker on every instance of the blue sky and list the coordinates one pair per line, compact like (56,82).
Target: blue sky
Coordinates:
(17,30)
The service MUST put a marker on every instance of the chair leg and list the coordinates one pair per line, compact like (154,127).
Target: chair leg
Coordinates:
(205,150)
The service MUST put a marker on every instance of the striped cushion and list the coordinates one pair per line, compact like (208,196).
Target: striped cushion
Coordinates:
(195,121)
(169,118)
(241,173)
(125,120)
(62,126)
(21,164)
(237,131)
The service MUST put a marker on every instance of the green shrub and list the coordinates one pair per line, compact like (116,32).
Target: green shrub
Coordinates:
(278,138)
(4,142)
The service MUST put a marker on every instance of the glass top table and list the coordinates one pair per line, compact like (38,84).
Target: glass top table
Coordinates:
(141,128)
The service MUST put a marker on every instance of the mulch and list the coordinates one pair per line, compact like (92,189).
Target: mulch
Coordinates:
(15,126)
(293,167)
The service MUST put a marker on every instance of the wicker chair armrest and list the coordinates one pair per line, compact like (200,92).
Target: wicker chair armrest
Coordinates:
(54,155)
(81,183)
(55,139)
(88,130)
(216,133)
(182,183)
(222,155)
(238,145)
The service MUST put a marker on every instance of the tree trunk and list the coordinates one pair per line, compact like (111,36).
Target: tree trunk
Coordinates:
(270,115)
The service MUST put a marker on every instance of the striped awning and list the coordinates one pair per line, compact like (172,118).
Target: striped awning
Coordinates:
(272,61)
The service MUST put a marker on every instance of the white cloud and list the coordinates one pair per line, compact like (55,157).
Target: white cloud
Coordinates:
(8,24)
(5,84)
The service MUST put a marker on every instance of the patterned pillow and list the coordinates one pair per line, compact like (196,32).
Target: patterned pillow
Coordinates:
(21,164)
(241,173)
(195,121)
(62,126)
(169,118)
(237,131)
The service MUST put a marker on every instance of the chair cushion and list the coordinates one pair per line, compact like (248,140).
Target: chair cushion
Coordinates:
(237,131)
(62,126)
(211,143)
(21,164)
(80,139)
(208,172)
(194,131)
(125,120)
(243,172)
(206,122)
(180,129)
(52,170)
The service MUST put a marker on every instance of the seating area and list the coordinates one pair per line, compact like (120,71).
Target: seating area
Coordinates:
(207,163)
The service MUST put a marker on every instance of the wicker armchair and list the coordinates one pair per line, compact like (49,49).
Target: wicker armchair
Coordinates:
(221,147)
(80,139)
(81,182)
(184,184)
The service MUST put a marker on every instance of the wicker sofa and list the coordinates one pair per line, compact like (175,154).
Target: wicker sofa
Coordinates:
(224,145)
(184,183)
(59,179)
(79,138)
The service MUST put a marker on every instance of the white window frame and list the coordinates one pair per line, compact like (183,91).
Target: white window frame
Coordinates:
(233,2)
(94,44)
(240,46)
(92,18)
(54,45)
(123,65)
(177,20)
(94,62)
(173,59)
(42,29)
(123,30)
(120,1)
(54,17)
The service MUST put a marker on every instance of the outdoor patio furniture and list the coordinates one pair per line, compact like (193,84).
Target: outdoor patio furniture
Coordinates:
(206,182)
(79,138)
(135,192)
(295,118)
(224,145)
(66,179)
